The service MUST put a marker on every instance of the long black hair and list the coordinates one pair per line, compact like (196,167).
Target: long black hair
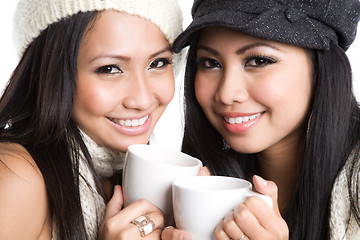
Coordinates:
(332,135)
(35,111)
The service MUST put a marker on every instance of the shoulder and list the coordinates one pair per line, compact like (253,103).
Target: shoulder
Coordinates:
(23,198)
(15,159)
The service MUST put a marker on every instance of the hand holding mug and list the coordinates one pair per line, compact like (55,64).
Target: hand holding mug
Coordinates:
(118,222)
(252,220)
(149,172)
(200,203)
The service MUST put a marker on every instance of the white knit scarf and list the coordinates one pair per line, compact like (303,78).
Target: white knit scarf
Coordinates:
(342,222)
(93,206)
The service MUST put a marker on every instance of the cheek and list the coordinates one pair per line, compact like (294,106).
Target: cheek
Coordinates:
(164,89)
(292,87)
(287,96)
(94,98)
(204,90)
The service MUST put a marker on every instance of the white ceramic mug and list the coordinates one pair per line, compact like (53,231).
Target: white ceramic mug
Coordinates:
(149,172)
(201,202)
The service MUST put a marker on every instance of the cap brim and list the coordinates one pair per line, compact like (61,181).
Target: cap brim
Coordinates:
(212,19)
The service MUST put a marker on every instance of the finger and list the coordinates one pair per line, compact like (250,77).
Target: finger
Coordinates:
(171,233)
(121,224)
(132,232)
(142,226)
(146,224)
(115,204)
(219,232)
(257,221)
(158,218)
(230,227)
(156,234)
(267,188)
(204,171)
(138,208)
(145,208)
(247,222)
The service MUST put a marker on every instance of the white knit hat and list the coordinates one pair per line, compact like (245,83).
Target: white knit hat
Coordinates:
(34,16)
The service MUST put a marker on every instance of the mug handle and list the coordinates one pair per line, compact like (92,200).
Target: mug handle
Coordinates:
(266,199)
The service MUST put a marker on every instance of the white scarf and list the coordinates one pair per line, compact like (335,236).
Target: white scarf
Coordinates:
(105,161)
(93,206)
(343,224)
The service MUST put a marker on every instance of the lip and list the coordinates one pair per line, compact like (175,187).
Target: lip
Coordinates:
(250,119)
(133,131)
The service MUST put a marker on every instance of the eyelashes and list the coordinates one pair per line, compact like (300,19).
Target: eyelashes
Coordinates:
(109,69)
(253,61)
(259,61)
(160,63)
(113,69)
(207,63)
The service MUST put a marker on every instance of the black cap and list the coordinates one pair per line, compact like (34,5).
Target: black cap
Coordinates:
(306,23)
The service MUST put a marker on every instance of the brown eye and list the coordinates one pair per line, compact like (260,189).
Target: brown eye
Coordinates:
(109,69)
(208,63)
(159,63)
(259,61)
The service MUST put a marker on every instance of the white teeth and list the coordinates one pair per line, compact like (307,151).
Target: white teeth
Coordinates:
(135,123)
(252,117)
(131,123)
(143,120)
(241,119)
(128,123)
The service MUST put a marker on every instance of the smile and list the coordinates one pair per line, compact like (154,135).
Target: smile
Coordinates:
(241,119)
(130,122)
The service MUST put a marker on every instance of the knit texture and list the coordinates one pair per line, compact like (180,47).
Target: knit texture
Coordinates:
(343,224)
(34,16)
(93,205)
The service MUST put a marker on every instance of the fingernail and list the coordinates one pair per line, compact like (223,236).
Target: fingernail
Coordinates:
(260,180)
(185,237)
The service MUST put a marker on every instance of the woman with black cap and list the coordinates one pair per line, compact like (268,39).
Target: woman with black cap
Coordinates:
(268,92)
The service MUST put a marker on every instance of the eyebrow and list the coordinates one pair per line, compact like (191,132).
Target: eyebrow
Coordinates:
(167,49)
(126,58)
(241,50)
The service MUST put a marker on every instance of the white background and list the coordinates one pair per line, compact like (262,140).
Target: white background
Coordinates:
(168,131)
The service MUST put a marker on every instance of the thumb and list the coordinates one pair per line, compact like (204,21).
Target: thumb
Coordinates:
(204,171)
(267,188)
(115,204)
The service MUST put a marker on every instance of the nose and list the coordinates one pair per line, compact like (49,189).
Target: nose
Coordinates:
(138,94)
(232,87)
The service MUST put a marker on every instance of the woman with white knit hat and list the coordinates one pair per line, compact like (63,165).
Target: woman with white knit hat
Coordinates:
(94,77)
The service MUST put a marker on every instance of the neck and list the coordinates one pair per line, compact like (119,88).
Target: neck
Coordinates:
(281,164)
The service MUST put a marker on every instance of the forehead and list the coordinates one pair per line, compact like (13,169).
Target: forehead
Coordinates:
(120,22)
(118,32)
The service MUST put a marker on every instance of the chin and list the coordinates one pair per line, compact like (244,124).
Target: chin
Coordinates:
(245,148)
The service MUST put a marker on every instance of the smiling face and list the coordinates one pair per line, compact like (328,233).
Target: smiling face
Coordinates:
(255,92)
(125,80)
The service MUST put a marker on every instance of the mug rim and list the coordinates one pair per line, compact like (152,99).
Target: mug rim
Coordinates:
(195,162)
(191,183)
